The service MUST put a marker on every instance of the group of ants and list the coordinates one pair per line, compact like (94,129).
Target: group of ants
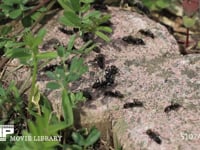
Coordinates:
(109,77)
(111,71)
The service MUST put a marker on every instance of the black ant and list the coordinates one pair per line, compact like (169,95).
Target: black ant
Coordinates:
(101,7)
(103,83)
(68,63)
(107,23)
(51,43)
(169,28)
(111,71)
(87,95)
(129,2)
(65,31)
(75,30)
(154,136)
(2,51)
(114,94)
(173,106)
(135,103)
(147,33)
(87,36)
(99,84)
(97,49)
(142,8)
(100,59)
(109,76)
(100,2)
(131,40)
(50,68)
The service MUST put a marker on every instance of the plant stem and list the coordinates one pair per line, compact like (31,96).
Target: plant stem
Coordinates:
(33,83)
(187,38)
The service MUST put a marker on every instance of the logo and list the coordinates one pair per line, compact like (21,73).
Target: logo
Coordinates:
(9,129)
(5,130)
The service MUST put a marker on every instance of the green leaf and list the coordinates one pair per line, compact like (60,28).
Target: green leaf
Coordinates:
(40,37)
(93,136)
(5,30)
(66,22)
(89,49)
(87,1)
(85,8)
(65,4)
(105,29)
(188,21)
(79,96)
(47,55)
(76,69)
(34,41)
(50,145)
(51,75)
(70,19)
(12,87)
(67,109)
(61,51)
(32,128)
(104,18)
(46,103)
(21,53)
(56,127)
(78,138)
(13,44)
(162,4)
(28,38)
(27,21)
(71,42)
(149,4)
(53,85)
(75,5)
(102,36)
(95,14)
(15,13)
(86,45)
(60,73)
(72,147)
(72,98)
(41,126)
(2,91)
(36,16)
